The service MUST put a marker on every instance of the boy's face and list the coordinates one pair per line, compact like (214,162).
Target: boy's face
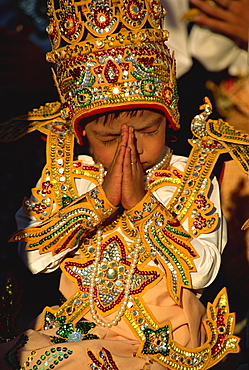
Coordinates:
(149,130)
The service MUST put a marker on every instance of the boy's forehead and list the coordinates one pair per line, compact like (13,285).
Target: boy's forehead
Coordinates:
(137,119)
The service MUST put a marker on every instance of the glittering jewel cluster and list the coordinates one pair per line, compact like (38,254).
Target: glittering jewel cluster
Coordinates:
(156,341)
(108,280)
(69,20)
(66,331)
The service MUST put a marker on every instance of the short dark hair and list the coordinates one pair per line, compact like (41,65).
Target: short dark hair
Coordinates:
(112,115)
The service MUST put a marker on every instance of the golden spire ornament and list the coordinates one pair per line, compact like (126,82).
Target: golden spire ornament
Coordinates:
(111,55)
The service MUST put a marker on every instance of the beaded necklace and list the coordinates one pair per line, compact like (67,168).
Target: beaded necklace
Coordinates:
(133,264)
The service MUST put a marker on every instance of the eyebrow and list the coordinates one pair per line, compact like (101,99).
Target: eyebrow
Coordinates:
(113,134)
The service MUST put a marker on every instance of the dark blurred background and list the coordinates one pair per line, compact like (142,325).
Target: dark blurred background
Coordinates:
(25,83)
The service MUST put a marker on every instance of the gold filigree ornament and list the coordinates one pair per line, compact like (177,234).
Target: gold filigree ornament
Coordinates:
(211,138)
(157,339)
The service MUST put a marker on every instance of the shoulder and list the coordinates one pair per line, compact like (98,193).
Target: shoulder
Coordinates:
(86,179)
(178,162)
(86,159)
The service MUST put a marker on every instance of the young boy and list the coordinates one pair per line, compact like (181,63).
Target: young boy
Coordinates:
(137,231)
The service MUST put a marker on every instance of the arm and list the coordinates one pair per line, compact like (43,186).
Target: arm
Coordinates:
(41,249)
(199,257)
(47,243)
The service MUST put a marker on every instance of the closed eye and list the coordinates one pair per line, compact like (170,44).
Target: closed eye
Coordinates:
(154,132)
(108,142)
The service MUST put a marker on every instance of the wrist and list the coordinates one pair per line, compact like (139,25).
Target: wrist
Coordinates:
(133,201)
(143,209)
(100,203)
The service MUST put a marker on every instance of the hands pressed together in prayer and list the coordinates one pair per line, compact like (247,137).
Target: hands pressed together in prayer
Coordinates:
(124,182)
(228,17)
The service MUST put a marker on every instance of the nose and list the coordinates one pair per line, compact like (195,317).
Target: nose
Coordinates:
(139,144)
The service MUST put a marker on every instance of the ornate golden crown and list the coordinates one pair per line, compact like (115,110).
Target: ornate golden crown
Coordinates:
(111,55)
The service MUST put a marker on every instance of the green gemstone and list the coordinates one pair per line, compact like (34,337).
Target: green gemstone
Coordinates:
(111,273)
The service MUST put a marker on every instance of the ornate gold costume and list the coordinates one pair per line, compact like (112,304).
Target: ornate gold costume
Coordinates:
(112,56)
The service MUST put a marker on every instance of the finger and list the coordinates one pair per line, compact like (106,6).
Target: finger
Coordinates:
(120,156)
(132,145)
(226,4)
(223,3)
(132,181)
(127,163)
(209,10)
(123,138)
(124,135)
(112,184)
(219,26)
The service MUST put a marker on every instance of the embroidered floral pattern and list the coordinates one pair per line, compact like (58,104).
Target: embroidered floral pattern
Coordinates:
(144,209)
(67,331)
(200,222)
(156,341)
(201,201)
(38,208)
(46,187)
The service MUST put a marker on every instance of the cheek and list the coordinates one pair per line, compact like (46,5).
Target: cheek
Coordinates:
(104,154)
(158,144)
(155,148)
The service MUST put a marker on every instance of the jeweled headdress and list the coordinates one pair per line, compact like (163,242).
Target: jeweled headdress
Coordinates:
(111,55)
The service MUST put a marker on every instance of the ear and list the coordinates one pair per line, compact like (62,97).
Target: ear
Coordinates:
(84,133)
